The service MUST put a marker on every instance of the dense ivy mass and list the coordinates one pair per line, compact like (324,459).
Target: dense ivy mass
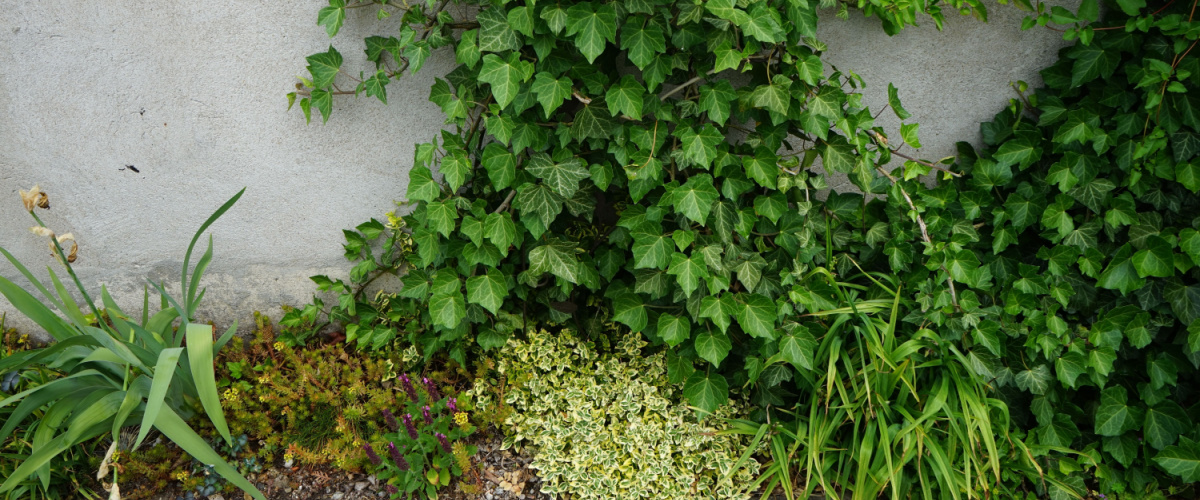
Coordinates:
(1080,223)
(644,163)
(654,164)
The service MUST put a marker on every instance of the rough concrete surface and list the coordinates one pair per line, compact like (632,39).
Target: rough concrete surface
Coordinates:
(191,94)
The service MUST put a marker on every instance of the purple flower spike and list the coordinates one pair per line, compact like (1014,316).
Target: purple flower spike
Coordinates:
(397,457)
(408,387)
(391,490)
(445,444)
(453,404)
(425,413)
(408,424)
(375,460)
(390,419)
(433,391)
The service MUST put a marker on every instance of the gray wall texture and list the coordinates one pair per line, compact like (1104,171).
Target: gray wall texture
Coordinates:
(191,94)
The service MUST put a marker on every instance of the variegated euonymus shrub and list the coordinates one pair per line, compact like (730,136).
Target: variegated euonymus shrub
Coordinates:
(605,425)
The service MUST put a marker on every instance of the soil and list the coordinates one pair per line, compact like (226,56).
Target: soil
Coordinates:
(500,475)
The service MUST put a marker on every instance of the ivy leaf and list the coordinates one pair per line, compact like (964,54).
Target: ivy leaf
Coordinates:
(894,103)
(694,199)
(1035,380)
(763,23)
(455,168)
(774,96)
(674,329)
(495,35)
(1182,460)
(828,102)
(706,391)
(550,92)
(727,57)
(773,207)
(715,99)
(838,156)
(1123,448)
(651,251)
(324,66)
(688,271)
(323,100)
(472,228)
(1188,174)
(762,167)
(443,216)
(797,346)
(555,17)
(1076,128)
(1060,432)
(1184,300)
(756,315)
(629,309)
(719,310)
(700,147)
(540,201)
(1163,423)
(332,17)
(488,290)
(504,76)
(592,28)
(1016,152)
(467,51)
(1114,416)
(376,86)
(563,177)
(501,165)
(592,122)
(626,97)
(1120,274)
(447,309)
(557,257)
(421,186)
(811,69)
(500,229)
(642,42)
(908,131)
(1154,260)
(713,346)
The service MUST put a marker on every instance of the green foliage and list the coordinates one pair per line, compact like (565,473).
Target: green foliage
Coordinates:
(311,405)
(116,372)
(604,425)
(569,196)
(1071,242)
(69,472)
(427,450)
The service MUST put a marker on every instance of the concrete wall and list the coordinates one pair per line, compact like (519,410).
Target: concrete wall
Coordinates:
(192,95)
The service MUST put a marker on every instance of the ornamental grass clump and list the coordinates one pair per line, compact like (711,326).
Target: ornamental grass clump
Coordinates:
(116,371)
(606,426)
(424,447)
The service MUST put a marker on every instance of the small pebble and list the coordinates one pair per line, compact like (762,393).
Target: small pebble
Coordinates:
(359,486)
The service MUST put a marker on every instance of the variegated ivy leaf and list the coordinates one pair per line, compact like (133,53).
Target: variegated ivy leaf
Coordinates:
(562,177)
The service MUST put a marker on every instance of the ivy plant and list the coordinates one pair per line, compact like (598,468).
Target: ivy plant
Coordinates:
(649,163)
(1072,238)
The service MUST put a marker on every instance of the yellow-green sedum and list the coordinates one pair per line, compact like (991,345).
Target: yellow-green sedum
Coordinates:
(608,426)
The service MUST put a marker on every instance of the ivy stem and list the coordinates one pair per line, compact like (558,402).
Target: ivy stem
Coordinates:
(685,85)
(924,232)
(923,162)
(504,204)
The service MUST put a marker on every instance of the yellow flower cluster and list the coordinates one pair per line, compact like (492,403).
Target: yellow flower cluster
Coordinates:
(230,394)
(460,418)
(278,346)
(181,476)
